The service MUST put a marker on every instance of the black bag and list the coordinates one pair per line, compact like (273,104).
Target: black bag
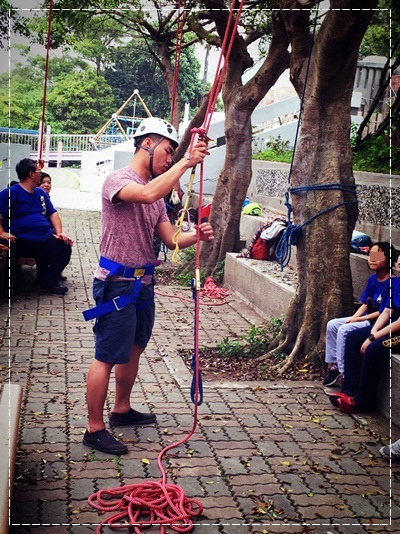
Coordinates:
(360,243)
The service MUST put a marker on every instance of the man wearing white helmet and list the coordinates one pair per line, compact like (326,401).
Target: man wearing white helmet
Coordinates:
(132,210)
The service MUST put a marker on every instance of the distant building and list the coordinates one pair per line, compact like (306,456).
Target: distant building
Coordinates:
(369,71)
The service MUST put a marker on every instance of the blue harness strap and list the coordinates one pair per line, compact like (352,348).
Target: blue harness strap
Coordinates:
(117,303)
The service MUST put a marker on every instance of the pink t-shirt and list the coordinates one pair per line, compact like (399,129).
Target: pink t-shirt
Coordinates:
(127,229)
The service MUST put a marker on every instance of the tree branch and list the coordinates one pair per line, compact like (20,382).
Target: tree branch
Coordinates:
(196,122)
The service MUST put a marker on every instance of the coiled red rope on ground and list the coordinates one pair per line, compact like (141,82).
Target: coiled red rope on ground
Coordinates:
(146,504)
(210,290)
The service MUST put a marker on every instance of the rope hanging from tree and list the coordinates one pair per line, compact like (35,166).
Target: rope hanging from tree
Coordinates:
(46,78)
(178,50)
(292,232)
(159,503)
(222,65)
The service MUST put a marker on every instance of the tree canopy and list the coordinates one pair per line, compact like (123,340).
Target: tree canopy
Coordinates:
(133,66)
(65,113)
(383,31)
(10,20)
(153,23)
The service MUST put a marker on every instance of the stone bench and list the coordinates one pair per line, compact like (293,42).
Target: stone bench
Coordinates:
(10,406)
(264,292)
(389,397)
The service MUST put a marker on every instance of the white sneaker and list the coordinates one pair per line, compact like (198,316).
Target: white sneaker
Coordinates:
(391,452)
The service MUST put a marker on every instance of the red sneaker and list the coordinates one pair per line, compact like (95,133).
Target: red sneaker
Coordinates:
(347,404)
(334,397)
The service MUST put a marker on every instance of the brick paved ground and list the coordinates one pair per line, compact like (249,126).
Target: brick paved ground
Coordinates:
(265,457)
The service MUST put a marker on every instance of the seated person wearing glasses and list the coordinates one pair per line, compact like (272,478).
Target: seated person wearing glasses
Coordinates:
(31,224)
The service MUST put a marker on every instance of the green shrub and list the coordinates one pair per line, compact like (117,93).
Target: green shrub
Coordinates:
(271,155)
(276,150)
(374,156)
(254,344)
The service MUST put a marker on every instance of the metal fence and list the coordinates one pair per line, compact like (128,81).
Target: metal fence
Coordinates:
(70,142)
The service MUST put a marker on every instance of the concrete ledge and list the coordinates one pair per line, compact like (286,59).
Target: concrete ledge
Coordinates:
(389,397)
(269,297)
(10,405)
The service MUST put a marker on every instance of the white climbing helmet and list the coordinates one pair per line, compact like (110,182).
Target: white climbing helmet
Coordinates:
(154,125)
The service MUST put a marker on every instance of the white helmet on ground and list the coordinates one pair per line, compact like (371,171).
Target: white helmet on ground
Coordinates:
(154,125)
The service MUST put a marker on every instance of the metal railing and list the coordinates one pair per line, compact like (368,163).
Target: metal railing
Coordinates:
(70,142)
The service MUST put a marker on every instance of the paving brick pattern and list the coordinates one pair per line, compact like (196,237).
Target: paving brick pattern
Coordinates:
(265,457)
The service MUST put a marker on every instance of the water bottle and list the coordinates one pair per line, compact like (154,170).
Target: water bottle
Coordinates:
(245,202)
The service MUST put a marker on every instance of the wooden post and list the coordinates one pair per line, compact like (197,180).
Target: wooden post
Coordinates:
(59,154)
(47,146)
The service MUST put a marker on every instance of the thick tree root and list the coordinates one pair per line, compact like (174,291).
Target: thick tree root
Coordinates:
(284,346)
(294,354)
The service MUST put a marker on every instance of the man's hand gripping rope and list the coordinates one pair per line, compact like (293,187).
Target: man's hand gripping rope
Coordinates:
(195,154)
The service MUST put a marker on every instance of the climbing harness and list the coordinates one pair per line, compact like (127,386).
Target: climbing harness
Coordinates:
(292,233)
(118,303)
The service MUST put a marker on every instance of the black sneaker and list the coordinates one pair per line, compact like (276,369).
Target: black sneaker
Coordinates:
(331,377)
(103,441)
(132,418)
(55,290)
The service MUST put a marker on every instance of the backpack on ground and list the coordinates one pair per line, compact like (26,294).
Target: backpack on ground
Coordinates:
(360,243)
(263,244)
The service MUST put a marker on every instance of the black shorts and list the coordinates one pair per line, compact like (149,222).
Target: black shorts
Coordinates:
(117,332)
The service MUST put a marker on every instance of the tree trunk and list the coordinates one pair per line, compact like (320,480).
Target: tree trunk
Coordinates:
(232,187)
(323,156)
(240,102)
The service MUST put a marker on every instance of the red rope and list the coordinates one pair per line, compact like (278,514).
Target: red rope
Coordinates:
(178,50)
(159,503)
(209,291)
(145,504)
(46,76)
(226,48)
(212,291)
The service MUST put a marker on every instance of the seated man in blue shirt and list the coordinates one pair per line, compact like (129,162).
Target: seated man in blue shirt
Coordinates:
(33,227)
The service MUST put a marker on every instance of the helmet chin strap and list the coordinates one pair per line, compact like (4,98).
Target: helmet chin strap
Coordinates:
(151,152)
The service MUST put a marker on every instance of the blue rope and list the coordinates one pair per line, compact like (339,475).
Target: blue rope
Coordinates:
(292,232)
(194,386)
